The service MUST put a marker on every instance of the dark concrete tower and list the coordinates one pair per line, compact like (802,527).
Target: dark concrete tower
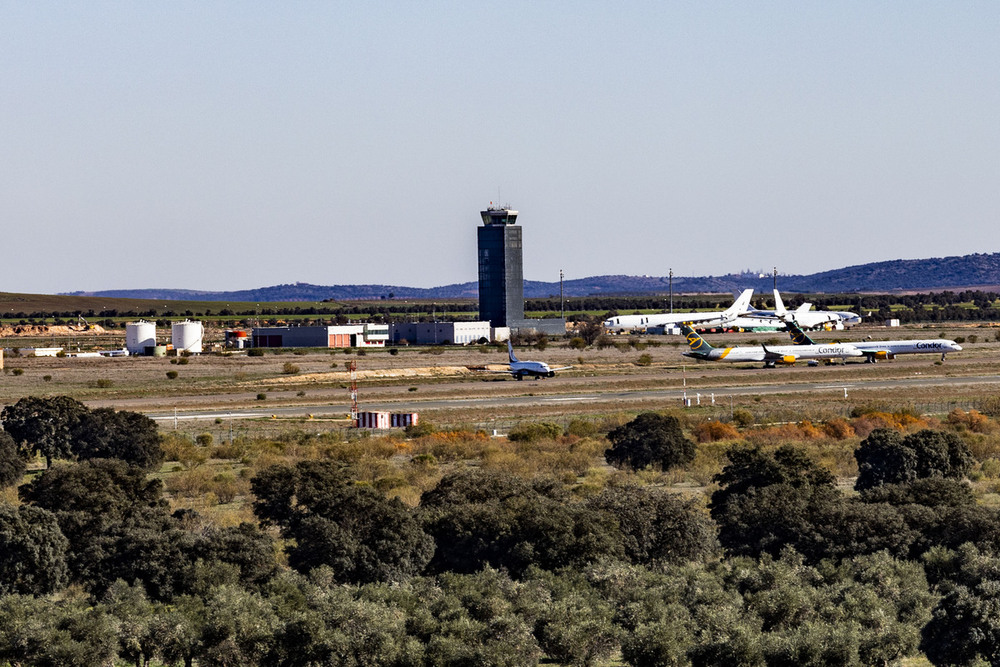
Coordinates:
(501,282)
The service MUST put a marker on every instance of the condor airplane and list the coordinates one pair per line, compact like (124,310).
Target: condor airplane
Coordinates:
(771,356)
(537,369)
(873,350)
(724,317)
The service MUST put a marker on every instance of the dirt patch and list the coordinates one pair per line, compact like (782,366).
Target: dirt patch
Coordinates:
(51,330)
(381,374)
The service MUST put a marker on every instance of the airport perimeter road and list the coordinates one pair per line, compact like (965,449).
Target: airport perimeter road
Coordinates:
(620,397)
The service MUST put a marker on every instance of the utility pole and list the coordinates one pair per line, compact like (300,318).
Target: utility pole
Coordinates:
(562,302)
(671,291)
(775,277)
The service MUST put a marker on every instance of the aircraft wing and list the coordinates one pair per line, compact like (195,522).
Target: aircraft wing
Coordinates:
(482,369)
(779,358)
(561,368)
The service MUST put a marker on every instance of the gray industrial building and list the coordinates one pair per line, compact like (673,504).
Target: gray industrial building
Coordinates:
(350,335)
(501,279)
(437,333)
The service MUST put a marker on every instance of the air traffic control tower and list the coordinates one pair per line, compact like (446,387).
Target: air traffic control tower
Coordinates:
(501,282)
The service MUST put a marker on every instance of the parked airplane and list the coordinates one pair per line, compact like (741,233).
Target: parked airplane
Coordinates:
(538,369)
(874,350)
(803,316)
(712,318)
(771,356)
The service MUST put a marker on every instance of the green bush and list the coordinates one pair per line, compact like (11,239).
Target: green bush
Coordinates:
(261,396)
(255,352)
(172,375)
(289,368)
(644,360)
(534,432)
(743,417)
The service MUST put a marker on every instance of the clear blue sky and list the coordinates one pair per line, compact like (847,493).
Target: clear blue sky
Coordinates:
(229,145)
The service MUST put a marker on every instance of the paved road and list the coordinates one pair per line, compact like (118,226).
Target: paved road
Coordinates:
(673,394)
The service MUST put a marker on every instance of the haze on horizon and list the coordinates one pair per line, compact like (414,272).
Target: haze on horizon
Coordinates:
(222,146)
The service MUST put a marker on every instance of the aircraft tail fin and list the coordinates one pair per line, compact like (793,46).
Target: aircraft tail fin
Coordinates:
(510,352)
(798,336)
(694,341)
(779,305)
(740,305)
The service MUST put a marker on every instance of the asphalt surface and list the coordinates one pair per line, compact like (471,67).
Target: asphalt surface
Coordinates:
(417,404)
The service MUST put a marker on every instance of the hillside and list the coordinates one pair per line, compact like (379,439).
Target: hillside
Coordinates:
(935,274)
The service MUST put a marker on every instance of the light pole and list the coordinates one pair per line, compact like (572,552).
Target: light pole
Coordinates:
(671,290)
(562,303)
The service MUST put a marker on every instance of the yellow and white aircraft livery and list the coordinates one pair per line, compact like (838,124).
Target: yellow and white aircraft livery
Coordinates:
(886,349)
(771,356)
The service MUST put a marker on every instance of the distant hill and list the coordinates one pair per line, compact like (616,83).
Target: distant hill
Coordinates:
(901,275)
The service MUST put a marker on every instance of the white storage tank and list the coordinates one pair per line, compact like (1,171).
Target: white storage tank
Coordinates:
(139,336)
(186,336)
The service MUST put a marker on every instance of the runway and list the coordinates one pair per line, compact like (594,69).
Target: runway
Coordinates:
(417,404)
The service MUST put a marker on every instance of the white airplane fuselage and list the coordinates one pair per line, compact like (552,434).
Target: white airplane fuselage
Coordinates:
(783,354)
(778,354)
(887,349)
(533,368)
(704,319)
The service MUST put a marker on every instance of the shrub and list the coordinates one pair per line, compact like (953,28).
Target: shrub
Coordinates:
(711,431)
(103,383)
(394,351)
(534,432)
(47,378)
(990,405)
(972,420)
(172,375)
(183,361)
(289,368)
(650,439)
(743,417)
(581,428)
(577,343)
(644,360)
(204,439)
(838,429)
(261,397)
(17,371)
(255,352)
(419,429)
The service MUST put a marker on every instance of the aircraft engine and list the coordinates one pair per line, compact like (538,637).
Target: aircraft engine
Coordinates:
(788,359)
(884,354)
